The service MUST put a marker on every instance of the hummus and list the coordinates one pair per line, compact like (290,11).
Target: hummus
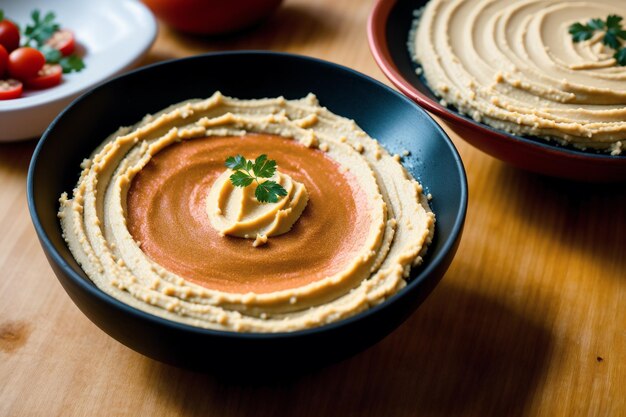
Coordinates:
(154,222)
(514,66)
(235,211)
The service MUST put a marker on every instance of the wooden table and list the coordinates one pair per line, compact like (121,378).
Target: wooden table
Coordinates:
(530,320)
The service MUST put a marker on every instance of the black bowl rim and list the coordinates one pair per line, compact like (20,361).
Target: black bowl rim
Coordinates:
(453,116)
(430,265)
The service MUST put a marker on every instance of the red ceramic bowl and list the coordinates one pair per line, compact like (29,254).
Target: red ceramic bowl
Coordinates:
(388,32)
(211,17)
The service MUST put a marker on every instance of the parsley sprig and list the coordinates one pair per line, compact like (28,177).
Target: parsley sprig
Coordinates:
(613,32)
(72,63)
(247,172)
(39,31)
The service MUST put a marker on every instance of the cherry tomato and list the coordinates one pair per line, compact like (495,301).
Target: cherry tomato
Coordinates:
(10,89)
(4,60)
(9,35)
(49,76)
(63,40)
(25,63)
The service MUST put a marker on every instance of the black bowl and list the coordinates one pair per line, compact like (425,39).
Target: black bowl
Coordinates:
(385,114)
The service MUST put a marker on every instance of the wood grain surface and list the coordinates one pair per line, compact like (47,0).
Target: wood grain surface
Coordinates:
(530,320)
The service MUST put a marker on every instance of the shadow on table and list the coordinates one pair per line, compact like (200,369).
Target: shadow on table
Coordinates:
(461,353)
(297,24)
(587,217)
(15,157)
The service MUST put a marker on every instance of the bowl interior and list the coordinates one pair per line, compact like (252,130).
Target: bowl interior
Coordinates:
(390,24)
(386,115)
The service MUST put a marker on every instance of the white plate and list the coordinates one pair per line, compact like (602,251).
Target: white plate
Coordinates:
(114,34)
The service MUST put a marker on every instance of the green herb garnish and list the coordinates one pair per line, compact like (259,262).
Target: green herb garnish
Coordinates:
(620,56)
(247,172)
(67,63)
(52,55)
(613,32)
(72,63)
(39,31)
(581,32)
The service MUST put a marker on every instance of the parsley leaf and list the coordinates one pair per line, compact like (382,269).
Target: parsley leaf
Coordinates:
(614,32)
(269,191)
(241,179)
(72,63)
(595,24)
(40,30)
(580,32)
(247,172)
(613,21)
(236,162)
(610,39)
(263,167)
(1,15)
(52,55)
(620,56)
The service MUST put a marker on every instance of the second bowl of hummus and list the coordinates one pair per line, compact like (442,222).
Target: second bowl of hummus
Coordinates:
(250,216)
(514,79)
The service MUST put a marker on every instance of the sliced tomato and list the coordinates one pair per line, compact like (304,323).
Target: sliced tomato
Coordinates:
(25,63)
(49,76)
(64,41)
(9,35)
(4,60)
(10,89)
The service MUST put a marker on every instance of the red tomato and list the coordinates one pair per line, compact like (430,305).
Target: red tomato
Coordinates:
(25,63)
(63,40)
(9,35)
(10,89)
(49,76)
(4,60)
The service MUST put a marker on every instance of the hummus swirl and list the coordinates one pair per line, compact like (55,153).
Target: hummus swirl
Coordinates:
(514,66)
(235,211)
(193,275)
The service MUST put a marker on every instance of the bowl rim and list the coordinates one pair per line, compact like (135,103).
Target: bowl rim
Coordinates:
(377,40)
(87,286)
